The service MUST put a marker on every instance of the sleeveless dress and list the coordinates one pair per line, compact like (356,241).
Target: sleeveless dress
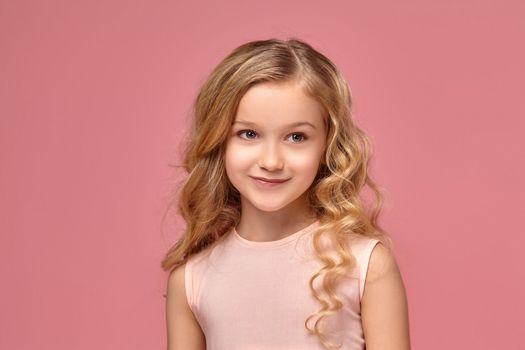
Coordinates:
(249,295)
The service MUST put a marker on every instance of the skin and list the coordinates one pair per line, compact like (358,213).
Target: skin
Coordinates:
(183,329)
(262,143)
(384,307)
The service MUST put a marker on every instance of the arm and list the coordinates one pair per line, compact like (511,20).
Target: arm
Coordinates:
(384,307)
(183,330)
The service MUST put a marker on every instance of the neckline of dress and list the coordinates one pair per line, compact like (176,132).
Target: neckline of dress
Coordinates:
(275,243)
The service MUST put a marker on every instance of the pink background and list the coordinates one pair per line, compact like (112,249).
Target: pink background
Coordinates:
(94,96)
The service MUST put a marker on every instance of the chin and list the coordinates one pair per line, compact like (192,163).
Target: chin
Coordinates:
(268,206)
(270,209)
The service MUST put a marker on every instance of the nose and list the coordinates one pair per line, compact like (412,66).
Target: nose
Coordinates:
(270,158)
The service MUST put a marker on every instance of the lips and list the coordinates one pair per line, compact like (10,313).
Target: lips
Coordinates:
(269,180)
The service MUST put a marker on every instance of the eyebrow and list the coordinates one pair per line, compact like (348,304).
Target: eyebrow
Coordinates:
(289,125)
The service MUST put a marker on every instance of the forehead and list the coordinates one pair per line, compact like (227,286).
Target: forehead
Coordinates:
(278,104)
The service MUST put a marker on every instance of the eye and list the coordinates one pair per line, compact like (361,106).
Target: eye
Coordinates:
(249,133)
(298,137)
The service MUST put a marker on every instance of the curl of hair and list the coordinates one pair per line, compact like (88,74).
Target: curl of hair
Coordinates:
(209,203)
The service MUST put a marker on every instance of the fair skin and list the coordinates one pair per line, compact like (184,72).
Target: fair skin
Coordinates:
(384,306)
(183,329)
(279,133)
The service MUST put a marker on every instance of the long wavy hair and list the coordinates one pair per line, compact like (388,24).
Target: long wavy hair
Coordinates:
(209,203)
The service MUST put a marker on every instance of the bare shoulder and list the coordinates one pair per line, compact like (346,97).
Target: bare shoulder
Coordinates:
(183,329)
(176,279)
(382,263)
(384,306)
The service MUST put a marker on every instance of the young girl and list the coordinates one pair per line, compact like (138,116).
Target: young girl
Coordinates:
(279,243)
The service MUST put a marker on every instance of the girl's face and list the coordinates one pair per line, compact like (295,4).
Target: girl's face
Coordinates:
(279,135)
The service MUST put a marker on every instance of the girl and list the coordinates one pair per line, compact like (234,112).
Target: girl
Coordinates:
(279,242)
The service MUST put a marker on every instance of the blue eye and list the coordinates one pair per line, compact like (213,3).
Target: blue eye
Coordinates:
(249,133)
(301,136)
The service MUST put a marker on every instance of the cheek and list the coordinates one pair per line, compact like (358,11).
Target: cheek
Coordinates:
(236,158)
(307,162)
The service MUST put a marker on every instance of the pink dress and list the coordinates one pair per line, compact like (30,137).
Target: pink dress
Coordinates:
(249,295)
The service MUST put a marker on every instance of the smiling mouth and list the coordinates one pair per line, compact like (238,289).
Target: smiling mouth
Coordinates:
(268,183)
(262,179)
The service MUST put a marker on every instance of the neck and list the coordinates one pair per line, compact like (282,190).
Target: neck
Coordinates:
(258,225)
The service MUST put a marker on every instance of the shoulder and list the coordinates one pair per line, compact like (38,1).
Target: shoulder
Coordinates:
(176,276)
(382,262)
(176,288)
(183,329)
(384,307)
